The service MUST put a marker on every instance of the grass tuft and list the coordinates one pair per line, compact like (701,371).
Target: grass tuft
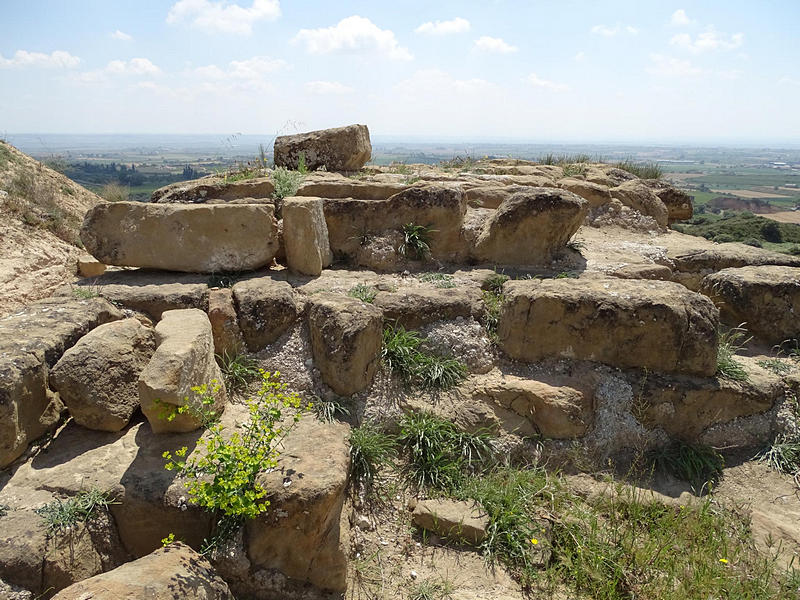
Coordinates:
(783,455)
(328,411)
(63,515)
(403,355)
(643,170)
(730,342)
(699,465)
(238,370)
(363,292)
(431,589)
(416,242)
(371,450)
(439,280)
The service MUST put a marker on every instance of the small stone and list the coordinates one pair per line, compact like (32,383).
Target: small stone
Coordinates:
(413,574)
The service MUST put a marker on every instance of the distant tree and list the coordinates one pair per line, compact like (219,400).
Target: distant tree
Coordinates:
(771,232)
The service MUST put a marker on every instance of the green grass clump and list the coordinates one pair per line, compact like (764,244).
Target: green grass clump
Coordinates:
(574,169)
(403,355)
(363,292)
(286,181)
(730,342)
(744,227)
(439,280)
(699,465)
(643,170)
(494,282)
(783,455)
(371,450)
(416,242)
(775,365)
(60,516)
(431,589)
(238,370)
(84,292)
(493,303)
(440,454)
(329,410)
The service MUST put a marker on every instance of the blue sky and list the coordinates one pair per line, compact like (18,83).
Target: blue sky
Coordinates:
(582,71)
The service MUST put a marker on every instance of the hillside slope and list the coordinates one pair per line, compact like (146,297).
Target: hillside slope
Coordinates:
(41,212)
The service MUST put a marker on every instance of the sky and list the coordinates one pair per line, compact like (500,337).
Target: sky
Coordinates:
(640,71)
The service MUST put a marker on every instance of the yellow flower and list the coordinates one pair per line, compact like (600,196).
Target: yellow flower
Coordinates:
(534,541)
(724,561)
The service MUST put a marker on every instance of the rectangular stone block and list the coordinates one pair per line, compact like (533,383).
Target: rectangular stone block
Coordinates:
(305,235)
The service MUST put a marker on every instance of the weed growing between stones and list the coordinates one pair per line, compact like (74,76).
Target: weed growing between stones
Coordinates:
(60,516)
(431,589)
(729,343)
(222,474)
(371,451)
(238,370)
(643,170)
(783,455)
(440,455)
(402,353)
(287,182)
(329,410)
(775,365)
(439,280)
(574,169)
(84,292)
(363,292)
(699,465)
(416,242)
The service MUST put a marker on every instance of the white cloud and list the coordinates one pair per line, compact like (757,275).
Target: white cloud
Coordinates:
(121,36)
(709,40)
(537,81)
(680,18)
(668,66)
(135,66)
(612,30)
(222,16)
(242,75)
(788,81)
(427,83)
(353,35)
(457,25)
(731,74)
(328,88)
(59,59)
(580,56)
(494,45)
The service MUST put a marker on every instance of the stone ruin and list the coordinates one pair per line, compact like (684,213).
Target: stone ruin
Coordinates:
(619,355)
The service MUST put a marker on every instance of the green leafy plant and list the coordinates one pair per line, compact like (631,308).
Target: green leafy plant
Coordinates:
(416,242)
(493,303)
(730,342)
(363,292)
(301,164)
(287,182)
(82,292)
(699,465)
(222,474)
(439,280)
(62,515)
(402,354)
(238,370)
(439,453)
(371,450)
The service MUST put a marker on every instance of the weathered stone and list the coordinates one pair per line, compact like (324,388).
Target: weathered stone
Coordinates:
(333,185)
(346,337)
(184,358)
(44,564)
(765,298)
(300,536)
(638,196)
(594,193)
(175,572)
(456,520)
(266,310)
(556,412)
(213,188)
(32,341)
(90,267)
(617,176)
(228,337)
(678,203)
(308,250)
(337,149)
(97,379)
(691,267)
(200,238)
(416,307)
(531,227)
(440,208)
(643,271)
(149,292)
(685,407)
(492,196)
(658,325)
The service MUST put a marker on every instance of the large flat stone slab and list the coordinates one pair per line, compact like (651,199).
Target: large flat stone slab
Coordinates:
(658,325)
(213,189)
(201,238)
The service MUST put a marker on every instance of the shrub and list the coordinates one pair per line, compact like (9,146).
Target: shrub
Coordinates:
(114,192)
(416,242)
(287,182)
(439,453)
(63,515)
(371,450)
(771,232)
(222,476)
